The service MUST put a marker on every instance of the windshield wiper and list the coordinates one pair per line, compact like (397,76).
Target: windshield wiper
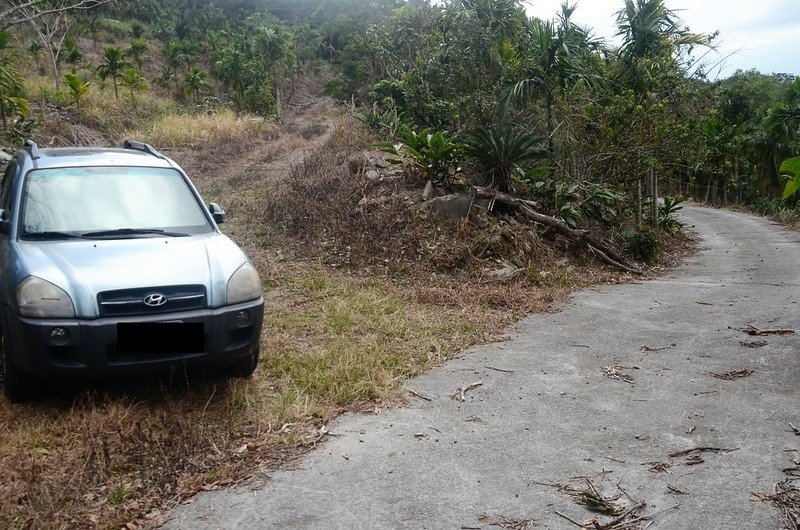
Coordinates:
(49,234)
(124,232)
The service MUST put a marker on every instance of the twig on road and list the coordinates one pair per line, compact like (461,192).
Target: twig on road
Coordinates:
(755,332)
(676,454)
(730,376)
(500,370)
(461,393)
(418,394)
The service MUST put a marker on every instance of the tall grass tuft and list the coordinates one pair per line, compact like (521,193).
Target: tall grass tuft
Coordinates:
(174,130)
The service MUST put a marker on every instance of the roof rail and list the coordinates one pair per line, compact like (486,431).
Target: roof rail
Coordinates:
(141,146)
(32,148)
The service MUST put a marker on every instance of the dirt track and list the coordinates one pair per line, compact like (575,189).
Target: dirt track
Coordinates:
(605,389)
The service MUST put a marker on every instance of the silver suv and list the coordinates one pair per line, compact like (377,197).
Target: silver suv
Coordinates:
(111,264)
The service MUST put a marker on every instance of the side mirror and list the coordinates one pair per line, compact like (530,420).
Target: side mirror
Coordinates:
(217,213)
(5,224)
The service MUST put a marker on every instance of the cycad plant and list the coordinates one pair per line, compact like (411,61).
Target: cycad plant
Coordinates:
(502,152)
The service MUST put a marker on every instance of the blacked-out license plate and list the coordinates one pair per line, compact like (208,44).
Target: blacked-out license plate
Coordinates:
(161,337)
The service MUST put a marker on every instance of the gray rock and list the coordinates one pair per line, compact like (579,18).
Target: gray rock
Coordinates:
(427,193)
(457,206)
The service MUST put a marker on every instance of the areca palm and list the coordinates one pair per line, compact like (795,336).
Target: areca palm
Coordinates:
(133,80)
(12,91)
(651,37)
(194,83)
(78,87)
(555,52)
(113,66)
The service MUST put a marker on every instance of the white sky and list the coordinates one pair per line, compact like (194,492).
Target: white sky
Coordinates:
(762,34)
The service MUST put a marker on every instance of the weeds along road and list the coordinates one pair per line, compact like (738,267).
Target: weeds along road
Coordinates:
(605,390)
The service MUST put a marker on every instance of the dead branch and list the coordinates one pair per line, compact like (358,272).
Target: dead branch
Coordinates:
(602,250)
(19,12)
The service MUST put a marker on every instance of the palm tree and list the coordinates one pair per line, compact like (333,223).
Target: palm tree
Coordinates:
(194,82)
(78,88)
(555,53)
(133,81)
(502,152)
(12,91)
(113,66)
(137,50)
(651,36)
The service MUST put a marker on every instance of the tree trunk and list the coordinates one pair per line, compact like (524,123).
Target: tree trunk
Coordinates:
(602,250)
(653,197)
(639,203)
(551,151)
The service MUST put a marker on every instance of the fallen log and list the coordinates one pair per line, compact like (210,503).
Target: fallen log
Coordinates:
(605,252)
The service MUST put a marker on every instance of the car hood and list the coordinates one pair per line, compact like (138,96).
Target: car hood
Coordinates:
(84,268)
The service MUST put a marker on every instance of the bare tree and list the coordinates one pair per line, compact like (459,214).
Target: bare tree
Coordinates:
(52,30)
(13,12)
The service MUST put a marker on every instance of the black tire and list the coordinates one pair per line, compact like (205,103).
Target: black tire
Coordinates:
(18,387)
(244,367)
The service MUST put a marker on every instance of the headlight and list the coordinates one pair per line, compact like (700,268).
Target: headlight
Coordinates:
(244,285)
(39,298)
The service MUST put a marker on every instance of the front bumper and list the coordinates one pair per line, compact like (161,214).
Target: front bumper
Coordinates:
(91,347)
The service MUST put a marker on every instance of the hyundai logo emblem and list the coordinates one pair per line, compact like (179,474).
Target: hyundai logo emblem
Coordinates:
(154,299)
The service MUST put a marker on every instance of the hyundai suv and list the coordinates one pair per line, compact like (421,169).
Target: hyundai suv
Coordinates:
(112,264)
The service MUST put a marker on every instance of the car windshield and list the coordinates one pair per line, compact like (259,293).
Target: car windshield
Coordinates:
(109,202)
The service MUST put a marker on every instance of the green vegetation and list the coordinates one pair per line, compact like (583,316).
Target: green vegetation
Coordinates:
(475,79)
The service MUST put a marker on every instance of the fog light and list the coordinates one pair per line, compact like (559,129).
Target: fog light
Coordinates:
(242,318)
(59,336)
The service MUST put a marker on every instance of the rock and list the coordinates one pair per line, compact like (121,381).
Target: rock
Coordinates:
(457,206)
(427,193)
(372,174)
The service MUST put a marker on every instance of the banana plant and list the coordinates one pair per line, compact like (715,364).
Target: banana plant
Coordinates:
(433,155)
(791,169)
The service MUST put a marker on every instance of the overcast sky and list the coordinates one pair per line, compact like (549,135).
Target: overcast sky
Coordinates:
(761,34)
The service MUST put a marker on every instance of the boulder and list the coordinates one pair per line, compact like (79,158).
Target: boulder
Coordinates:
(457,206)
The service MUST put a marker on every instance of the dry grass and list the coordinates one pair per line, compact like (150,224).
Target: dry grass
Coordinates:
(225,126)
(103,458)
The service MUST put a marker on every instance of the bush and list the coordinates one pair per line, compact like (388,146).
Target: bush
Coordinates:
(642,245)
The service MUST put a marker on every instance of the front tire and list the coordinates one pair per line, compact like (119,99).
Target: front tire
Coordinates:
(244,367)
(18,387)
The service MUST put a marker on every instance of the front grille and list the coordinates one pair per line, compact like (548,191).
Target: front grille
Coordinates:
(131,302)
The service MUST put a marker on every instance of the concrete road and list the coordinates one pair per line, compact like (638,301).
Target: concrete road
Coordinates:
(555,415)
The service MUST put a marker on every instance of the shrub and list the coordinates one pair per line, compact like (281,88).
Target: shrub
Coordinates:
(642,245)
(667,215)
